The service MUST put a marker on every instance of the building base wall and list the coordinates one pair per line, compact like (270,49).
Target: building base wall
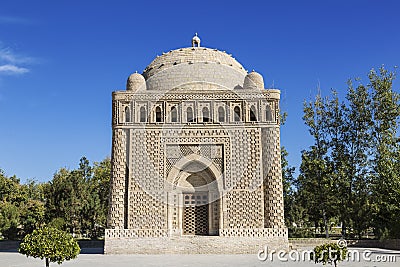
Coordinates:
(131,244)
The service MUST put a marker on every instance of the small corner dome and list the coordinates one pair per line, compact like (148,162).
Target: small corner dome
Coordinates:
(253,80)
(135,82)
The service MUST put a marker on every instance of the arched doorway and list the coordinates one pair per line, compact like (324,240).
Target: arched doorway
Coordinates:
(198,210)
(195,216)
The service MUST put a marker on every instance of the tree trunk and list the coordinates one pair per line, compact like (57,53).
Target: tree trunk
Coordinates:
(325,224)
(343,230)
(47,262)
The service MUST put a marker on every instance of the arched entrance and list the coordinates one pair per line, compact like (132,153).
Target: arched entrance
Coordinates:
(195,216)
(198,208)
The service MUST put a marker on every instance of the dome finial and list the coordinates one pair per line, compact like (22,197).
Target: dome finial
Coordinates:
(195,41)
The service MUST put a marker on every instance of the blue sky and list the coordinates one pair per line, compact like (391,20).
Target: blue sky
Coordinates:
(60,61)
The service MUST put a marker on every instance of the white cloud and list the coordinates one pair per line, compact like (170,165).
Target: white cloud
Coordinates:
(12,69)
(6,55)
(13,63)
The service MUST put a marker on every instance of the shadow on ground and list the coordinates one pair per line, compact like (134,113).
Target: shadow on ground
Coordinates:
(87,246)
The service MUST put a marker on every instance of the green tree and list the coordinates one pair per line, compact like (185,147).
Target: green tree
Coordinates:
(337,156)
(99,187)
(288,187)
(349,137)
(385,163)
(50,244)
(346,131)
(9,212)
(315,182)
(32,209)
(21,206)
(77,200)
(9,220)
(10,189)
(101,181)
(295,215)
(96,201)
(11,197)
(31,215)
(315,189)
(354,162)
(292,213)
(64,195)
(357,141)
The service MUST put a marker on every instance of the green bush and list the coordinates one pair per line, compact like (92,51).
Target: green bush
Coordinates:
(329,253)
(50,244)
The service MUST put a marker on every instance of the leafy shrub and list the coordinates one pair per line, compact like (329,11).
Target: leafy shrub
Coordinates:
(50,244)
(329,253)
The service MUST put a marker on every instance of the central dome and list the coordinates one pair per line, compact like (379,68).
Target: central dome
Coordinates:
(194,65)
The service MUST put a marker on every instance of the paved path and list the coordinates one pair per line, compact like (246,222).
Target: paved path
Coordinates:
(12,259)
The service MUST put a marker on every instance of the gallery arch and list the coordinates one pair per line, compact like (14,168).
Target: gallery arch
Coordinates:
(238,116)
(221,114)
(142,114)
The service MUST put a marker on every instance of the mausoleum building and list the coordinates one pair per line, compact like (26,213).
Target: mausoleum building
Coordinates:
(196,164)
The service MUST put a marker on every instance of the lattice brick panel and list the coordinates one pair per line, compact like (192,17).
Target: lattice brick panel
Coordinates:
(147,211)
(130,233)
(202,142)
(117,189)
(215,220)
(255,232)
(244,209)
(195,220)
(174,208)
(195,214)
(247,162)
(272,172)
(145,161)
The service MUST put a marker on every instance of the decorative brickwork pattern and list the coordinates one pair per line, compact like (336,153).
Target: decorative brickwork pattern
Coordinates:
(244,209)
(247,161)
(145,163)
(213,152)
(255,232)
(216,213)
(221,94)
(195,214)
(195,151)
(129,233)
(147,211)
(207,143)
(273,188)
(117,187)
(174,211)
(147,200)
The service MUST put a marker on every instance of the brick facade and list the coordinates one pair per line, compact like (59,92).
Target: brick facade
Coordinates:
(196,143)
